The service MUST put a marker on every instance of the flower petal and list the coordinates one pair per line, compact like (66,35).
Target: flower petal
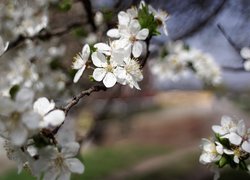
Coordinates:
(99,59)
(103,48)
(109,80)
(24,99)
(137,49)
(142,34)
(42,106)
(113,33)
(134,27)
(75,165)
(31,120)
(246,146)
(18,135)
(99,74)
(123,18)
(54,118)
(70,149)
(85,52)
(245,52)
(79,74)
(241,128)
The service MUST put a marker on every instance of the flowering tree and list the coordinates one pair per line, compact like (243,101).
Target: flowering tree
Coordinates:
(30,123)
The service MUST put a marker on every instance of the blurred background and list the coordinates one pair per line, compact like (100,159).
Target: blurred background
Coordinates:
(154,133)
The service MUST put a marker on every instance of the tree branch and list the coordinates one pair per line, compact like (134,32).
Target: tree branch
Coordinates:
(228,38)
(90,15)
(44,34)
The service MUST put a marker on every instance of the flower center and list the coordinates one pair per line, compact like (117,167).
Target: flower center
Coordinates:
(109,68)
(59,161)
(15,117)
(132,38)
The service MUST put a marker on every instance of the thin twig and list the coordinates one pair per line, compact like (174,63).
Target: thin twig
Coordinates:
(44,34)
(77,98)
(228,38)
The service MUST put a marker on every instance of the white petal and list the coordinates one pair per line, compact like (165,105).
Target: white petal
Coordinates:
(229,152)
(247,65)
(51,174)
(70,149)
(31,120)
(18,135)
(99,74)
(85,52)
(75,165)
(123,18)
(218,129)
(113,33)
(24,99)
(64,175)
(109,80)
(6,106)
(165,29)
(79,74)
(246,146)
(137,49)
(134,27)
(99,59)
(226,121)
(236,159)
(234,138)
(142,34)
(241,128)
(103,48)
(54,118)
(42,106)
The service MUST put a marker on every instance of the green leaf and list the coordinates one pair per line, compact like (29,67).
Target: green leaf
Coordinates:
(65,5)
(13,91)
(91,78)
(223,161)
(147,20)
(79,32)
(243,166)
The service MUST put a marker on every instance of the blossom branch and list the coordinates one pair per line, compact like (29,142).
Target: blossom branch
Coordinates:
(44,34)
(77,98)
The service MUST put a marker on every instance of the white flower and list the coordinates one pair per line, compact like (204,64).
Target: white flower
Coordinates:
(227,126)
(105,69)
(3,46)
(161,16)
(51,116)
(124,19)
(134,36)
(63,163)
(130,73)
(115,50)
(212,151)
(19,118)
(236,153)
(80,62)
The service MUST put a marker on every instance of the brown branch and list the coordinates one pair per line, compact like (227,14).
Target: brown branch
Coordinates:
(44,34)
(90,15)
(77,98)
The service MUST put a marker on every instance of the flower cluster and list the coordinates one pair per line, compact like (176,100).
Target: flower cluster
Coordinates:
(118,61)
(230,146)
(178,60)
(24,124)
(31,124)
